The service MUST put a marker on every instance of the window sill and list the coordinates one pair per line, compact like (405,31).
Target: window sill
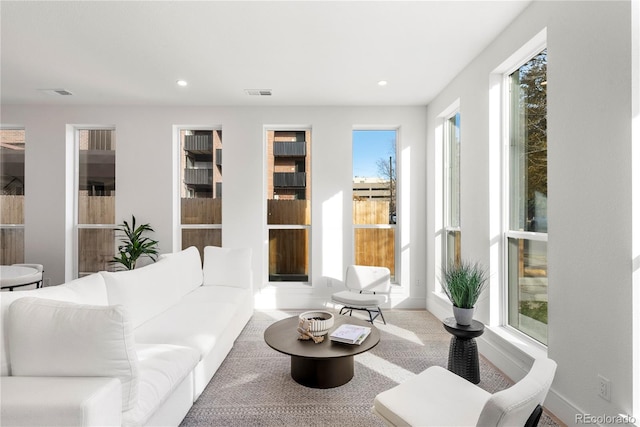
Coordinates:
(513,342)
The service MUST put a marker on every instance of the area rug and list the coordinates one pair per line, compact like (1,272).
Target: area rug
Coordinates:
(253,386)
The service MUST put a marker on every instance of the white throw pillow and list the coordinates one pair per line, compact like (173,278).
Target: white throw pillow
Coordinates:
(227,267)
(186,267)
(145,292)
(65,339)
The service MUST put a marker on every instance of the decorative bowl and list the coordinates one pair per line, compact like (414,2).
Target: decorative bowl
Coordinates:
(320,321)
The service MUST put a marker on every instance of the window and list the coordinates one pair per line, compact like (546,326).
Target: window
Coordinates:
(96,185)
(12,150)
(289,204)
(526,235)
(374,198)
(452,247)
(201,188)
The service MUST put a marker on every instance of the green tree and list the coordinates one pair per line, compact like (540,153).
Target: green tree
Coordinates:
(529,85)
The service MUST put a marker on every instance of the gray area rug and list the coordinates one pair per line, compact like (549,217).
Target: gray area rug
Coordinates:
(253,386)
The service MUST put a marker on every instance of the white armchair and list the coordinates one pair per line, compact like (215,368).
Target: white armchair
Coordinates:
(437,397)
(367,289)
(14,276)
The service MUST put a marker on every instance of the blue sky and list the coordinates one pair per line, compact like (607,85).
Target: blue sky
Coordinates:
(368,147)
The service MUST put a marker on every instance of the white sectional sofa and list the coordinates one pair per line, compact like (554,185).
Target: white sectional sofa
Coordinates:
(128,348)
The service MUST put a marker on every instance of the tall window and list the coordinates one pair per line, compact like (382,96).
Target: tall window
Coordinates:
(374,198)
(201,188)
(289,204)
(96,199)
(526,237)
(452,249)
(12,149)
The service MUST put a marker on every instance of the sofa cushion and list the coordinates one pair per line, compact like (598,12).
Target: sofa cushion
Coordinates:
(145,292)
(60,338)
(227,267)
(198,321)
(186,267)
(162,368)
(60,401)
(432,398)
(87,290)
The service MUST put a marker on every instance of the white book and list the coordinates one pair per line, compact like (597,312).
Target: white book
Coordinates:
(350,334)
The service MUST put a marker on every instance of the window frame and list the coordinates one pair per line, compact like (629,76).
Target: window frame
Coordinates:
(520,58)
(447,183)
(180,227)
(13,225)
(268,227)
(76,197)
(396,277)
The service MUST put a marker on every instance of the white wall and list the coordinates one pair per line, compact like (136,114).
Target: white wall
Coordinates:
(144,182)
(589,188)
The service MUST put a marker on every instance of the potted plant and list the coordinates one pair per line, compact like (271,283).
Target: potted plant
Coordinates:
(134,245)
(463,282)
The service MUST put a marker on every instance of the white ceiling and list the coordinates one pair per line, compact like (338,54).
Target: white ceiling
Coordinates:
(307,52)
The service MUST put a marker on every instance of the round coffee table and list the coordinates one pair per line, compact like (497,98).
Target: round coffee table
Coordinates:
(324,365)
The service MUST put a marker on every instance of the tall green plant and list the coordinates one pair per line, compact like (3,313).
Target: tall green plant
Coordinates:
(463,283)
(134,245)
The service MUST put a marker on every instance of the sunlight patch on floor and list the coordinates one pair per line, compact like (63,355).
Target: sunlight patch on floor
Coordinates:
(405,334)
(384,367)
(276,314)
(245,379)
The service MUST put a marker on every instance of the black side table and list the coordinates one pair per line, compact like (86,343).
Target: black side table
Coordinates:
(463,350)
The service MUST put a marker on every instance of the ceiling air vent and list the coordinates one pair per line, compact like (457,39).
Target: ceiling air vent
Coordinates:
(258,92)
(63,92)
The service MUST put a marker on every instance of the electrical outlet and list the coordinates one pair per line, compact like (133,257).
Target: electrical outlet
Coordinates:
(604,388)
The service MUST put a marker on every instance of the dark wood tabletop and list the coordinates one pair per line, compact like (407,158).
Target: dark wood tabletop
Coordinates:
(474,330)
(282,336)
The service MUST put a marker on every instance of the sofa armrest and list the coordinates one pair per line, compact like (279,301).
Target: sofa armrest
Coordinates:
(60,401)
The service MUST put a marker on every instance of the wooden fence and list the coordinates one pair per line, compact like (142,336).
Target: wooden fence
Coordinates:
(375,246)
(288,249)
(371,212)
(97,248)
(11,246)
(288,253)
(201,211)
(11,239)
(291,212)
(201,237)
(96,209)
(11,209)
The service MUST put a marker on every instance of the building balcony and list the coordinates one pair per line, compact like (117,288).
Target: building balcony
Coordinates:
(290,149)
(198,144)
(290,179)
(218,156)
(198,176)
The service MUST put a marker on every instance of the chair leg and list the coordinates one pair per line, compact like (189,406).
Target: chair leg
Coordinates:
(534,417)
(378,312)
(344,310)
(381,315)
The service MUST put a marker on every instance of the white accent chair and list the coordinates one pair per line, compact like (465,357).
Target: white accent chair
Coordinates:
(437,397)
(35,278)
(367,289)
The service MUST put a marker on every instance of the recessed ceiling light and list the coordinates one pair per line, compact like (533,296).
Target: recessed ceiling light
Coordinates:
(258,92)
(382,83)
(181,83)
(63,92)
